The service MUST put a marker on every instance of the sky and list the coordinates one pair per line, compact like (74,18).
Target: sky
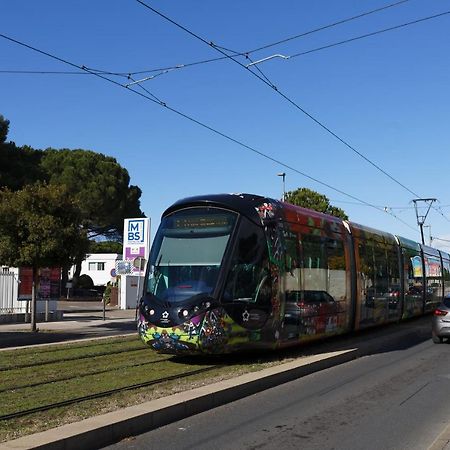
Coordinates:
(365,123)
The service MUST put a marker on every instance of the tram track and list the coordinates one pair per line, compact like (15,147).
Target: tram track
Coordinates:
(50,384)
(78,376)
(110,392)
(60,360)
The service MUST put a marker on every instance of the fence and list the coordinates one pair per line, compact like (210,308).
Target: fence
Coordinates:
(9,293)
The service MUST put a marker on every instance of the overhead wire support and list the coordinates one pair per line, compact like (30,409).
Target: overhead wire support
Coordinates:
(323,126)
(266,59)
(421,218)
(148,78)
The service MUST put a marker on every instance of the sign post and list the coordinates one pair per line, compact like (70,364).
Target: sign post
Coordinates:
(139,263)
(136,251)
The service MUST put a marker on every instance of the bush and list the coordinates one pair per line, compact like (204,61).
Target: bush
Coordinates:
(85,282)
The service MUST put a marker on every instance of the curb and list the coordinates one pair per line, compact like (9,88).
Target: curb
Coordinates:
(443,440)
(109,428)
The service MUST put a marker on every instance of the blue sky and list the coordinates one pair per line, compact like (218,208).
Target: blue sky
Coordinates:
(386,95)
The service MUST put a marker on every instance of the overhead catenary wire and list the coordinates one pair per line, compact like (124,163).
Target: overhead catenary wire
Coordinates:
(297,36)
(267,83)
(374,33)
(439,239)
(154,99)
(235,53)
(289,100)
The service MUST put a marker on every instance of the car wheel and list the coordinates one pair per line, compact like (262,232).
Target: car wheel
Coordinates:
(437,339)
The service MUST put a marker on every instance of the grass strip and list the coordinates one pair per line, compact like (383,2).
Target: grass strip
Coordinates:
(30,357)
(101,394)
(43,420)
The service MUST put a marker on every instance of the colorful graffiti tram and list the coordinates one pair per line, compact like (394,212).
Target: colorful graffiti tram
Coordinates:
(232,272)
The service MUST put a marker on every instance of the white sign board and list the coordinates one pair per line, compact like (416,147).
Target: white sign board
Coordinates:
(136,239)
(136,251)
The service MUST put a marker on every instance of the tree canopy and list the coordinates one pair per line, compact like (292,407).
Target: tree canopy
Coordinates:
(20,166)
(308,198)
(105,247)
(96,186)
(39,227)
(100,185)
(4,127)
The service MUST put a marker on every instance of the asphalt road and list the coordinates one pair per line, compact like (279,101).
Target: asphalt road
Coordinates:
(394,398)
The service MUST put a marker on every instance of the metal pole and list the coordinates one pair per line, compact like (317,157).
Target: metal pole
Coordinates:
(421,233)
(283,175)
(140,264)
(421,218)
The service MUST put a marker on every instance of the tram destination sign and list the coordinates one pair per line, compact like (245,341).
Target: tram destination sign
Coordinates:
(202,221)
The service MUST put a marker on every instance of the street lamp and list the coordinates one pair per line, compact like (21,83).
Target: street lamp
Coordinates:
(283,175)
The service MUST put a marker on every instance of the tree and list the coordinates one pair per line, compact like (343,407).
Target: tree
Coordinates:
(308,198)
(105,247)
(4,128)
(39,227)
(99,183)
(101,187)
(19,166)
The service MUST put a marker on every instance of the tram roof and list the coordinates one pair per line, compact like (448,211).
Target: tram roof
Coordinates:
(249,205)
(243,203)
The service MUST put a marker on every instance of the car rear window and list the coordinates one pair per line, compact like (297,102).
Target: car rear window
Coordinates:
(447,302)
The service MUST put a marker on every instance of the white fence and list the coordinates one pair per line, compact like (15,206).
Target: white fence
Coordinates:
(9,293)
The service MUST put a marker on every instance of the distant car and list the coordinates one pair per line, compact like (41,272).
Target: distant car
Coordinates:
(441,321)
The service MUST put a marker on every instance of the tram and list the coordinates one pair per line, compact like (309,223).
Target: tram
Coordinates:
(232,272)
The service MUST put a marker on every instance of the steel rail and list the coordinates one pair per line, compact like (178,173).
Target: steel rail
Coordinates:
(103,394)
(97,372)
(93,355)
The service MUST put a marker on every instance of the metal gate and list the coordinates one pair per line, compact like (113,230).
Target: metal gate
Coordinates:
(9,289)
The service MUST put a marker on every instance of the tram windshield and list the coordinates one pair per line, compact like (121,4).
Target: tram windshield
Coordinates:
(187,253)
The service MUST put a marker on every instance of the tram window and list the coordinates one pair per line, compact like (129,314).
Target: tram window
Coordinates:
(336,266)
(293,282)
(249,275)
(323,265)
(188,252)
(433,272)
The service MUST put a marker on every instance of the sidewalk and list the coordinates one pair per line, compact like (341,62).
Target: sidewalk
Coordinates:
(81,320)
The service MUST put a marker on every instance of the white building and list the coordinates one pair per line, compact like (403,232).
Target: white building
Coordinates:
(99,267)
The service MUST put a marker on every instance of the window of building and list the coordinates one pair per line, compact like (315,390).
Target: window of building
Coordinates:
(96,266)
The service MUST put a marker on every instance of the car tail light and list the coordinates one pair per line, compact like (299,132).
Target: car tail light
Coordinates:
(439,312)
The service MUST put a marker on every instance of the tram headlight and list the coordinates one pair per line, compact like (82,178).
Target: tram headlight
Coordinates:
(146,310)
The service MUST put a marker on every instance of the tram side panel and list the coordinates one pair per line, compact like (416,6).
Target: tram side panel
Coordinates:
(378,277)
(316,285)
(434,287)
(413,278)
